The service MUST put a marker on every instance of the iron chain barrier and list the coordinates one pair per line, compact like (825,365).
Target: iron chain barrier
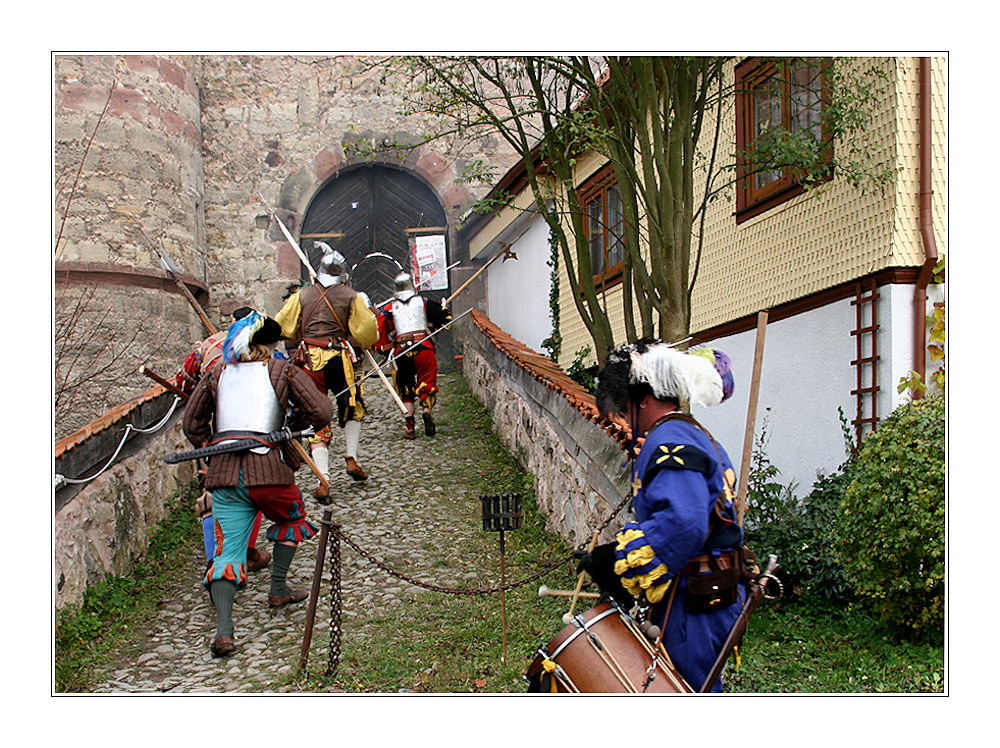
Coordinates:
(337,535)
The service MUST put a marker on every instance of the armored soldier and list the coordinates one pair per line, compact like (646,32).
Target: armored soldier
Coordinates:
(248,396)
(404,325)
(202,358)
(332,325)
(684,551)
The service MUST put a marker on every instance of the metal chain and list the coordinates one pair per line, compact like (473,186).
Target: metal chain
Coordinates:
(335,601)
(337,534)
(448,590)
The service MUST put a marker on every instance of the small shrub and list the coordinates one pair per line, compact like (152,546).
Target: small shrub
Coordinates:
(799,531)
(579,373)
(891,519)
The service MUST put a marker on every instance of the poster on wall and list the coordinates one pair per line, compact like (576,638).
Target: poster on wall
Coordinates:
(430,262)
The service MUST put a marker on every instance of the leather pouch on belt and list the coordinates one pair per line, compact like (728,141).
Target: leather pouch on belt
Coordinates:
(712,591)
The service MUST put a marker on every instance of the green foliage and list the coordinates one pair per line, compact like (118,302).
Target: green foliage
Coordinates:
(111,607)
(792,650)
(553,343)
(798,531)
(579,373)
(891,519)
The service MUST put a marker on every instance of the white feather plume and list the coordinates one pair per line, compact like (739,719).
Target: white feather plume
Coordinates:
(672,373)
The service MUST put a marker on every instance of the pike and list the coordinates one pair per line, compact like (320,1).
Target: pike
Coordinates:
(504,252)
(403,352)
(166,384)
(312,274)
(236,444)
(167,264)
(757,593)
(425,280)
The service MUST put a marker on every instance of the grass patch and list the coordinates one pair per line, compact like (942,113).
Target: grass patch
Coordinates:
(851,652)
(114,610)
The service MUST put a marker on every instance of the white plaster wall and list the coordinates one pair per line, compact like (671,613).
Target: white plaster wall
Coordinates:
(518,290)
(806,374)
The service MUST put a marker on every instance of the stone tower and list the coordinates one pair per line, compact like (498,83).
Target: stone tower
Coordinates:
(184,151)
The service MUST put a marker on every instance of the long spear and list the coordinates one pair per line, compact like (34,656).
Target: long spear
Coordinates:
(312,274)
(504,252)
(167,264)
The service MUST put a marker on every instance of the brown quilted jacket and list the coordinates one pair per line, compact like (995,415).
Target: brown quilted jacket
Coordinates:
(291,385)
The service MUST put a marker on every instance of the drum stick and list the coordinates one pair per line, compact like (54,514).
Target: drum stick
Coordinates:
(544,591)
(579,583)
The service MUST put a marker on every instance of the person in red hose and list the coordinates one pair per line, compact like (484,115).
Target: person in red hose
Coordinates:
(405,325)
(249,395)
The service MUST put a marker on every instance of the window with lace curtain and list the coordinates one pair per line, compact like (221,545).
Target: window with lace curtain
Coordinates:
(779,101)
(602,222)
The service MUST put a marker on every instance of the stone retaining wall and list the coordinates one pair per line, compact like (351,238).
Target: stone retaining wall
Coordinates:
(578,467)
(105,528)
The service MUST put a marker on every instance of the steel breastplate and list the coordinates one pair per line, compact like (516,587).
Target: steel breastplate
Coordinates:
(246,401)
(409,316)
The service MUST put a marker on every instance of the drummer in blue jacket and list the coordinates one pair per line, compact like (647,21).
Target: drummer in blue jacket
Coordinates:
(685,539)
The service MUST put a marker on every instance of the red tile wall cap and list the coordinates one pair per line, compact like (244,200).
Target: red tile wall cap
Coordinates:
(549,373)
(106,420)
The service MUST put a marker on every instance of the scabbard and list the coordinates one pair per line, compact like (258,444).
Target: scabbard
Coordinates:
(275,438)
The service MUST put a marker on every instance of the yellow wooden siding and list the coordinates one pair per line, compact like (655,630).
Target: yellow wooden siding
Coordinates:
(815,241)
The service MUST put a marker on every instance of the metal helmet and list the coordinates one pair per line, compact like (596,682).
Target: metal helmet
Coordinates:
(332,268)
(404,286)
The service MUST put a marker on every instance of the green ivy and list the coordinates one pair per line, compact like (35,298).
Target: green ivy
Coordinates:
(892,517)
(553,343)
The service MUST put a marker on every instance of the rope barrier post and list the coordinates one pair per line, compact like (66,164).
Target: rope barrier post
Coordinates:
(314,594)
(502,512)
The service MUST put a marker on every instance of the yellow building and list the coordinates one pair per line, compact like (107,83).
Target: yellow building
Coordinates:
(842,272)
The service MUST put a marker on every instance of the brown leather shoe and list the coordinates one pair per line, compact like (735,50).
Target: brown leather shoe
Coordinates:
(257,560)
(429,428)
(354,469)
(223,646)
(322,494)
(410,434)
(297,596)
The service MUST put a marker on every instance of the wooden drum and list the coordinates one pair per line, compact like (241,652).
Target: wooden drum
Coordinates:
(603,651)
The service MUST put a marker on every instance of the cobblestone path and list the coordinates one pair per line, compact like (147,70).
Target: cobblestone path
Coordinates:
(380,514)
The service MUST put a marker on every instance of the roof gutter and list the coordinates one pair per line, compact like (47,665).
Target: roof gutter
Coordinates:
(926,226)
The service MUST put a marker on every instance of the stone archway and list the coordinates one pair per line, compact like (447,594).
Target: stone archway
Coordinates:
(369,213)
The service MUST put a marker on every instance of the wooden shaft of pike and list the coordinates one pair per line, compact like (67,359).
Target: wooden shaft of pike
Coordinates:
(304,454)
(212,329)
(758,357)
(583,576)
(161,381)
(477,274)
(317,579)
(385,381)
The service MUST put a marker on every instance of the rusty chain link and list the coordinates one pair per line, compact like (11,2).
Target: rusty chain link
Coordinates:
(337,534)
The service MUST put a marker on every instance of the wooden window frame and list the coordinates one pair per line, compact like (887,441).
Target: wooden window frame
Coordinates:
(751,201)
(596,187)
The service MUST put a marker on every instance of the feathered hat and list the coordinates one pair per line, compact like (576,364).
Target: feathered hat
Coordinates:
(702,376)
(248,330)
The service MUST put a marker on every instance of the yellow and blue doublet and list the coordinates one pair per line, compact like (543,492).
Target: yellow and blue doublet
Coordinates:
(678,477)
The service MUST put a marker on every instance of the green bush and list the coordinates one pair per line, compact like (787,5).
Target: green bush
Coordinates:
(800,533)
(891,520)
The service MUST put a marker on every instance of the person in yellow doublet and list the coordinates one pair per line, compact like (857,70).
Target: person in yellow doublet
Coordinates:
(329,326)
